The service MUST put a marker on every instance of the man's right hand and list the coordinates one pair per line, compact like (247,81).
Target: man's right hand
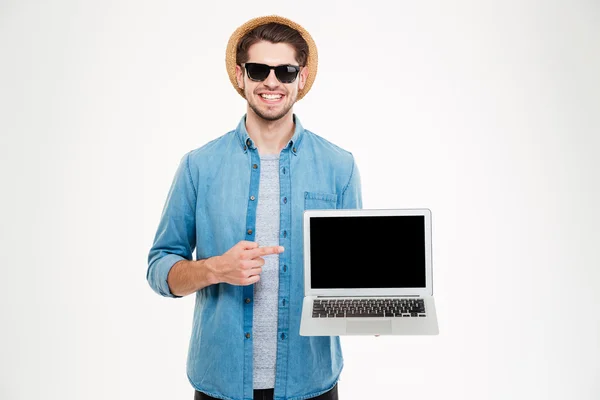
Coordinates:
(242,264)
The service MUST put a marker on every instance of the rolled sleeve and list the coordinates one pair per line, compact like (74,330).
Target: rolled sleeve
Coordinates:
(352,193)
(175,239)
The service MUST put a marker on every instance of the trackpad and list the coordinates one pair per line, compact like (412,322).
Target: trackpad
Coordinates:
(369,327)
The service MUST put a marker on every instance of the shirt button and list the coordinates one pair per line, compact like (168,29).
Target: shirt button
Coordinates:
(252,198)
(294,149)
(248,300)
(249,231)
(284,268)
(282,336)
(254,166)
(284,233)
(245,147)
(284,200)
(283,302)
(247,335)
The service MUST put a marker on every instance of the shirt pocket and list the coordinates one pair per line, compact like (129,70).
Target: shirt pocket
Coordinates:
(319,201)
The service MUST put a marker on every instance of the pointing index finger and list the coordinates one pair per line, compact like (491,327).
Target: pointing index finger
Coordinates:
(266,250)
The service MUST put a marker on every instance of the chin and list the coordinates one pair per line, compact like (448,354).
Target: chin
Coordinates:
(270,116)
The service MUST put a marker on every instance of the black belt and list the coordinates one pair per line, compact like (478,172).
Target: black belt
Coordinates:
(264,394)
(268,394)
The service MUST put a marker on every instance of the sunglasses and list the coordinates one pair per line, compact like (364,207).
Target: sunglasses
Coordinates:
(260,72)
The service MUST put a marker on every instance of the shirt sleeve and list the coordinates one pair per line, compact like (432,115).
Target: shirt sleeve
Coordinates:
(352,193)
(175,239)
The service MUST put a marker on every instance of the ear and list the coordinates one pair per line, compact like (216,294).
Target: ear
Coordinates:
(239,75)
(303,76)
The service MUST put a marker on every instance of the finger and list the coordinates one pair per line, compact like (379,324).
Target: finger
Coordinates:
(247,263)
(264,251)
(256,262)
(246,244)
(251,280)
(255,271)
(249,267)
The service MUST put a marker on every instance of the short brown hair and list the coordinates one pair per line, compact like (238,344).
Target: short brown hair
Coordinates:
(274,33)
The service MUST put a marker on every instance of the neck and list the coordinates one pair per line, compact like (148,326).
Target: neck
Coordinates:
(270,136)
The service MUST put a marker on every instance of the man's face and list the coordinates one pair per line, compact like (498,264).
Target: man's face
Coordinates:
(272,54)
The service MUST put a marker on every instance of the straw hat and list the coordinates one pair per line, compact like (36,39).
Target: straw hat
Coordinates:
(311,61)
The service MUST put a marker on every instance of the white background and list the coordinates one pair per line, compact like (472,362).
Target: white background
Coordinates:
(485,112)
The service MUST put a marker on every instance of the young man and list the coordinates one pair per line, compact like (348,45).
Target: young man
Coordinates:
(238,200)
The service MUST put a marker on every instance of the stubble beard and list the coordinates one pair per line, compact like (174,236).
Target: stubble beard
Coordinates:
(270,117)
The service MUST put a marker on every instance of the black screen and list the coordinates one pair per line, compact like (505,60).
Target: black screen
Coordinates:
(367,252)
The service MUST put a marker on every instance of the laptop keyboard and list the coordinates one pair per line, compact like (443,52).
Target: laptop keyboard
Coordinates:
(346,308)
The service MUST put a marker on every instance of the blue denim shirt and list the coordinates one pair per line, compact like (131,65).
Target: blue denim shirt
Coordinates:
(210,208)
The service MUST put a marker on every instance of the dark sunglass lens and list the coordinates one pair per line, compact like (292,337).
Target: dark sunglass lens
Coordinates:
(257,72)
(286,73)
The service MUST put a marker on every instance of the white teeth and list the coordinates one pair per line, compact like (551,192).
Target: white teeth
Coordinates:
(270,96)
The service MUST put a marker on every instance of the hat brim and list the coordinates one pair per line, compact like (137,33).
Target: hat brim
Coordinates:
(230,56)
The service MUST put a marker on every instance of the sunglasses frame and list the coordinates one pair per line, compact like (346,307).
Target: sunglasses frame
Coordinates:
(296,67)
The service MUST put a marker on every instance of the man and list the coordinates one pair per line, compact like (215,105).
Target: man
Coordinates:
(238,200)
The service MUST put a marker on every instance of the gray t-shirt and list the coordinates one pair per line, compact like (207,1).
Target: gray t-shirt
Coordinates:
(266,290)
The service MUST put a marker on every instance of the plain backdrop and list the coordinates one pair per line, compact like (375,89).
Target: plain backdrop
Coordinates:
(485,112)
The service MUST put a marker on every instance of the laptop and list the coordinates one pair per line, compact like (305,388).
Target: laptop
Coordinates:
(368,272)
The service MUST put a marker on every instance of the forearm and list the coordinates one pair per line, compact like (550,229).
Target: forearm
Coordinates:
(187,276)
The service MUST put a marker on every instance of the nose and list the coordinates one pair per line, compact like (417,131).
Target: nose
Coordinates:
(271,80)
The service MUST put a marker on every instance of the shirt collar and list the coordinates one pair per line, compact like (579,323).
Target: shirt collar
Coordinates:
(246,142)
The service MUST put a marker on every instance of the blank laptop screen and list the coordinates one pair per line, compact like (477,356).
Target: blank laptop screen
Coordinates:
(367,252)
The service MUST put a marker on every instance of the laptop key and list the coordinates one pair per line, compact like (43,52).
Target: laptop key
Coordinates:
(359,315)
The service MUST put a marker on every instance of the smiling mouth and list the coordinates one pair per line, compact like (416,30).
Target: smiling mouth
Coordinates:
(271,98)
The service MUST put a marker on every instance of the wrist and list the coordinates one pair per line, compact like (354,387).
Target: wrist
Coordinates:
(211,271)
